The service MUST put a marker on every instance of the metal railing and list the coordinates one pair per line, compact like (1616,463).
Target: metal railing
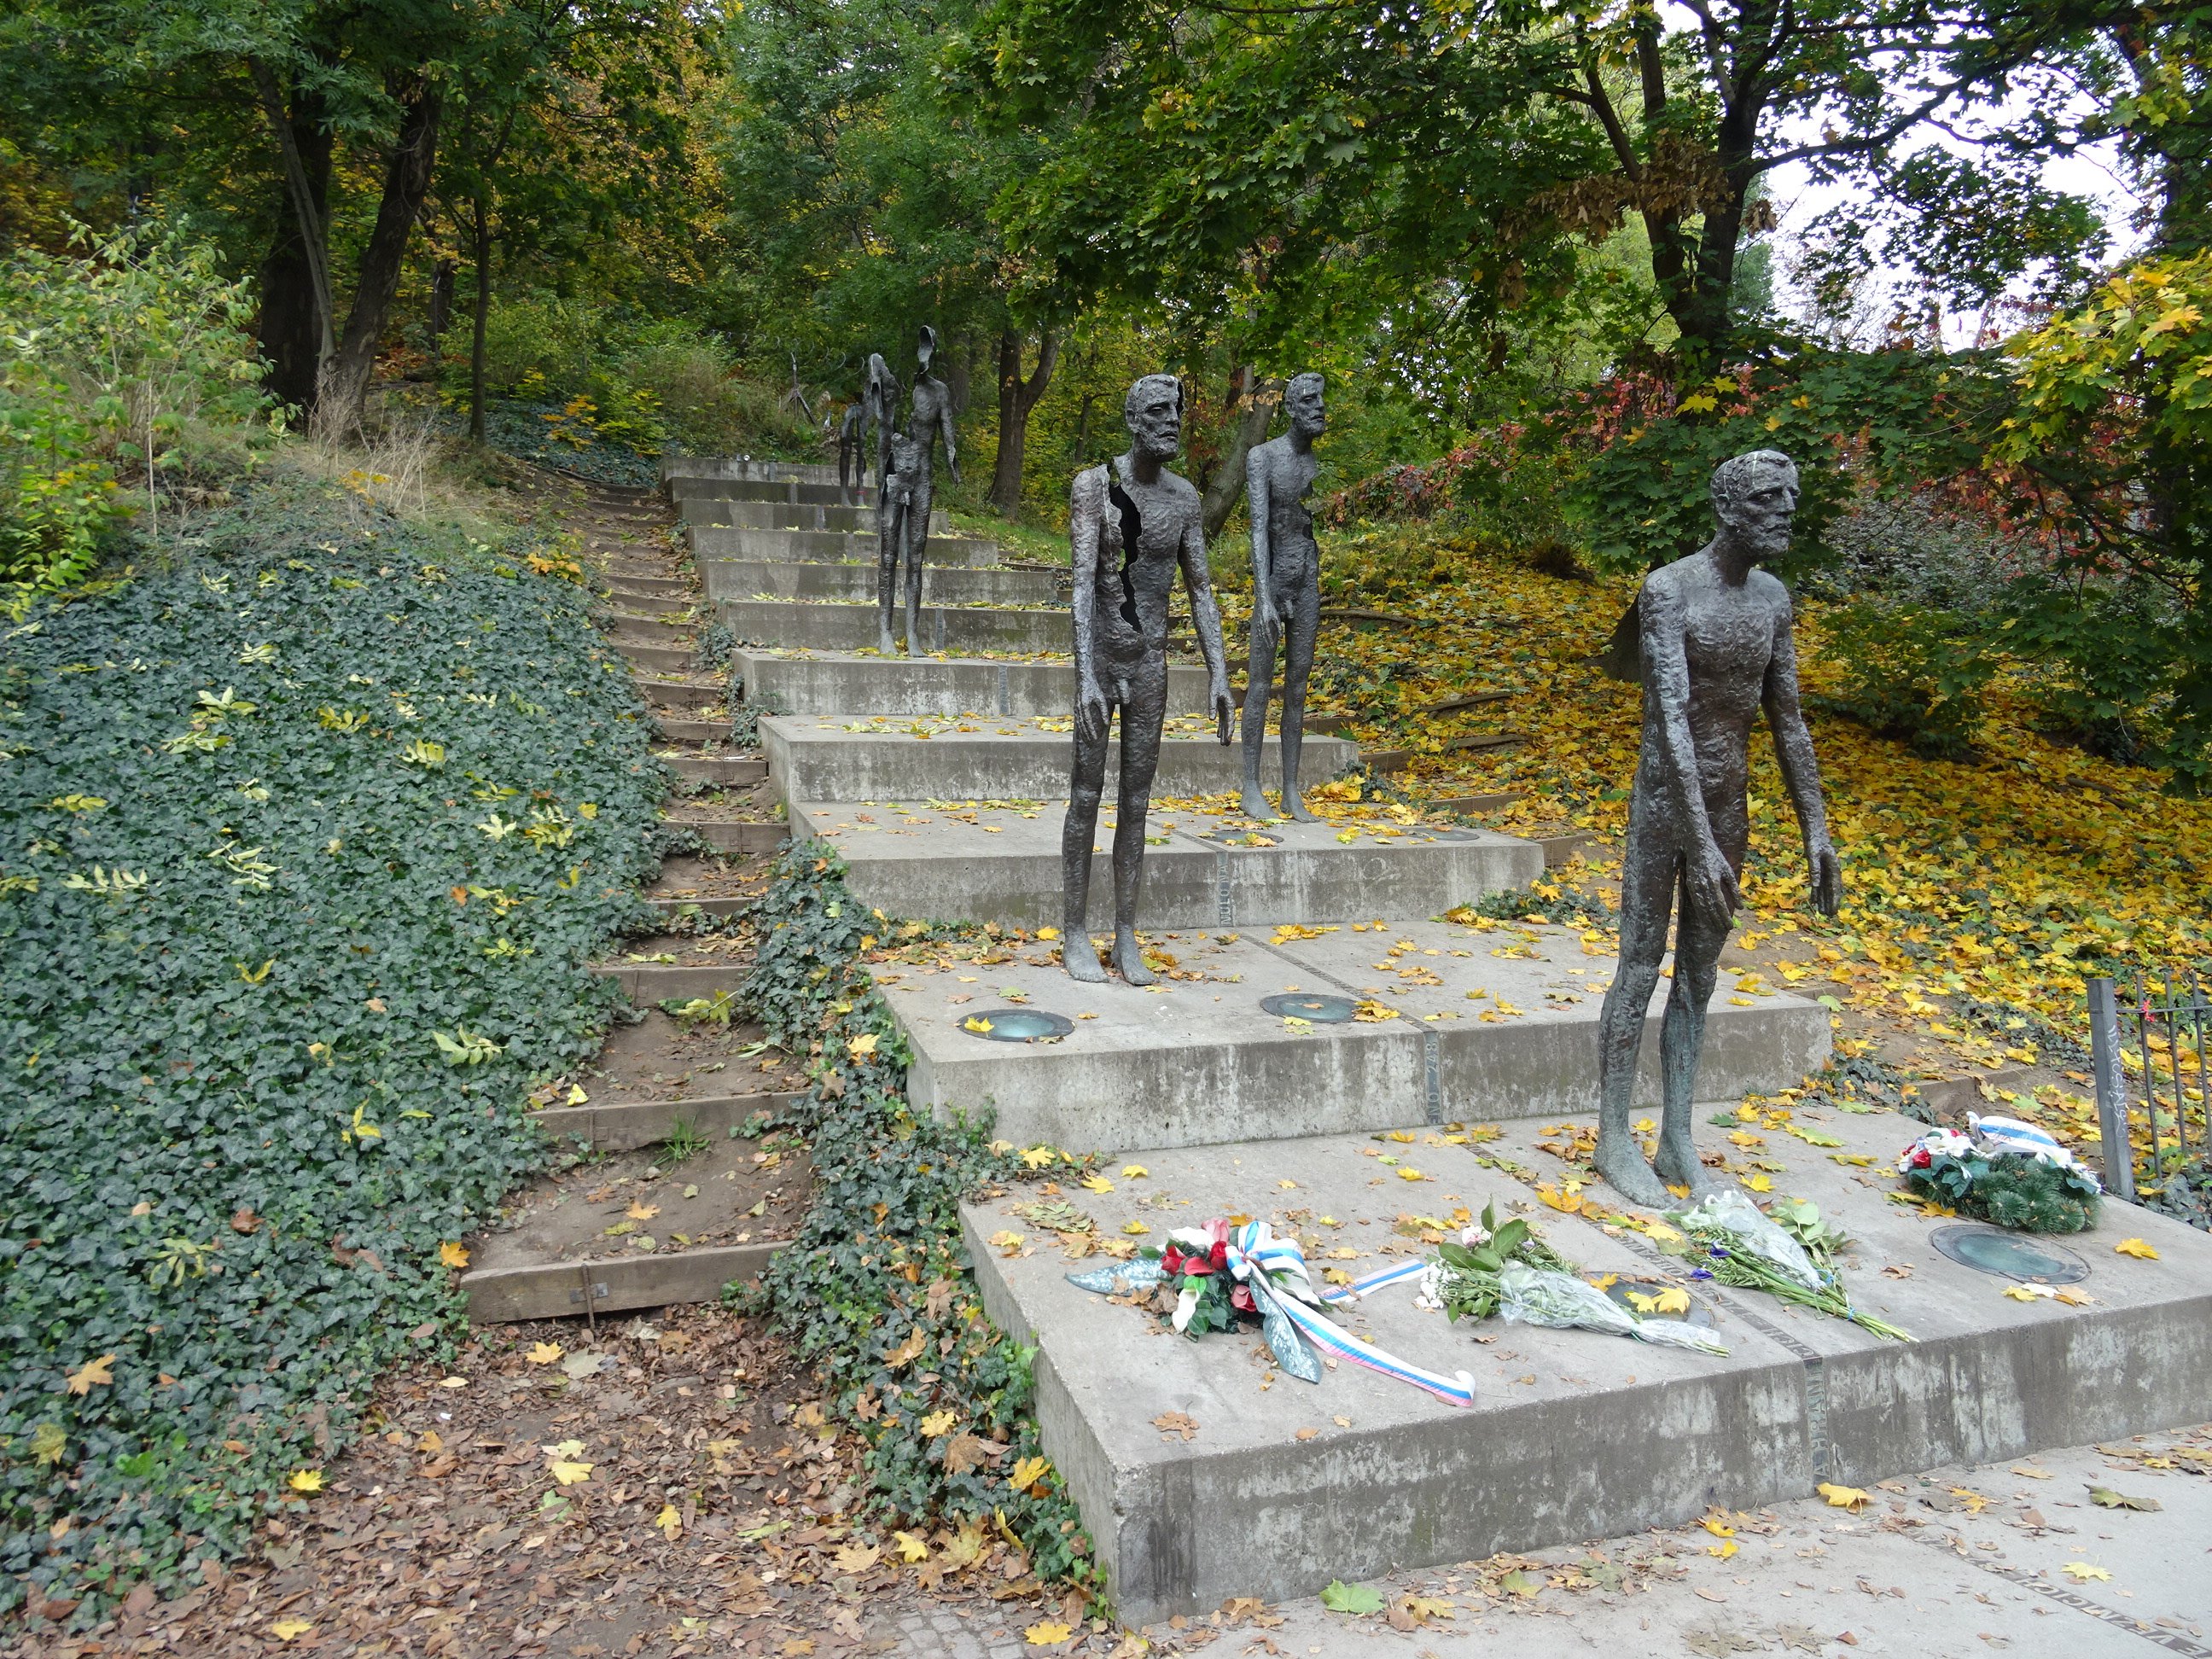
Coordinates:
(2162,1019)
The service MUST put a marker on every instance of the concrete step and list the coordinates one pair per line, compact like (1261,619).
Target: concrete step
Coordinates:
(648,630)
(667,587)
(745,579)
(827,546)
(740,836)
(825,625)
(605,1284)
(678,731)
(646,602)
(1198,1058)
(647,983)
(865,759)
(625,1126)
(1573,1435)
(661,658)
(793,492)
(827,682)
(1001,864)
(711,906)
(681,472)
(727,771)
(699,512)
(680,694)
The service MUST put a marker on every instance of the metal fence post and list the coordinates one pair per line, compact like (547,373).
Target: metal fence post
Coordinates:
(2111,1091)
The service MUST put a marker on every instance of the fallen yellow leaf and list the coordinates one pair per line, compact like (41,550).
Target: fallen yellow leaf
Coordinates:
(1406,1174)
(1758,1183)
(640,1211)
(1029,1472)
(306,1481)
(1724,1551)
(1037,1157)
(542,1353)
(2136,1247)
(452,1254)
(939,1424)
(1007,1243)
(2081,1572)
(1843,1498)
(910,1547)
(1672,1300)
(858,1558)
(861,1046)
(668,1522)
(290,1630)
(92,1371)
(1097,1183)
(1718,1528)
(568,1472)
(1049,1633)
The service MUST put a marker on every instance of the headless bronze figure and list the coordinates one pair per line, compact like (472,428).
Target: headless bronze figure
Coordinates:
(904,500)
(1715,639)
(1132,523)
(1286,589)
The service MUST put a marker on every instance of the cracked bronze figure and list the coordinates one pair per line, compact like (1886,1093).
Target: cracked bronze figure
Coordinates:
(877,403)
(903,503)
(1131,524)
(1716,648)
(1286,589)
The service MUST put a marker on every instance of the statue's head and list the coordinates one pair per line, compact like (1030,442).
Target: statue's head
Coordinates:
(927,348)
(1755,497)
(1302,402)
(879,372)
(1154,411)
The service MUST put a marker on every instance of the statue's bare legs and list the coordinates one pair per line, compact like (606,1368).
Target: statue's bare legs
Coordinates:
(1296,602)
(1139,690)
(890,537)
(1652,886)
(914,535)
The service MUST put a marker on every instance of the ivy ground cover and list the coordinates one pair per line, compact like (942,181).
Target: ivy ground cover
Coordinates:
(303,842)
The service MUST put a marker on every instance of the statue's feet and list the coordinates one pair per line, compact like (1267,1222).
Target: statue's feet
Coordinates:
(1623,1167)
(1129,958)
(914,649)
(1255,804)
(888,645)
(1679,1166)
(1081,958)
(1294,807)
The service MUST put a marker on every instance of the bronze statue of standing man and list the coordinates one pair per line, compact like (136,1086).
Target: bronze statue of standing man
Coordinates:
(1131,525)
(1286,589)
(903,501)
(1715,636)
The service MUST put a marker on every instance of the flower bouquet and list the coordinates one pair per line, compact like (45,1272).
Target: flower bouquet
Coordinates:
(1744,1248)
(2005,1172)
(1503,1268)
(1226,1270)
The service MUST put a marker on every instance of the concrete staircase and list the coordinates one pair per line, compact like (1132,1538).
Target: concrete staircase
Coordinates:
(1326,1051)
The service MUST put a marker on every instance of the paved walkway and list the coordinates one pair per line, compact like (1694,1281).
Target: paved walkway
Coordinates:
(1922,1570)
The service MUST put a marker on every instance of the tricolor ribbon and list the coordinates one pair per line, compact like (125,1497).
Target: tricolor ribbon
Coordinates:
(1275,1271)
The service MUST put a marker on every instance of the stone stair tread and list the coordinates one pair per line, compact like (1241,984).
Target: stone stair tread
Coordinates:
(1197,1059)
(846,625)
(1206,863)
(1573,1434)
(557,1241)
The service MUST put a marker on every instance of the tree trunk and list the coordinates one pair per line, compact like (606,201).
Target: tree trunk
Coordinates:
(441,299)
(480,223)
(1254,407)
(292,322)
(1017,397)
(344,400)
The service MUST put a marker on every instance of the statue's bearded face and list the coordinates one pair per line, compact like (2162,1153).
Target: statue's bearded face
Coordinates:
(1308,413)
(1760,511)
(1156,419)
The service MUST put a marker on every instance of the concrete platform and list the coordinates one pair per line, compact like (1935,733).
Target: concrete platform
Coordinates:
(856,582)
(1001,864)
(829,625)
(1574,1435)
(722,541)
(827,682)
(989,758)
(680,472)
(711,510)
(1196,1059)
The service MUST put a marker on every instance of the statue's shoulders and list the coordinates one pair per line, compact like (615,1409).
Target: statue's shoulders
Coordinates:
(1089,484)
(1771,587)
(1175,486)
